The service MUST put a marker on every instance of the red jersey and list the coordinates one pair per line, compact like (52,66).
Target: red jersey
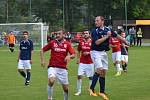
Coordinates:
(114,41)
(85,46)
(59,50)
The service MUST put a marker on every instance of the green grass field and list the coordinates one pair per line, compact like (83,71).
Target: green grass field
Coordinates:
(135,85)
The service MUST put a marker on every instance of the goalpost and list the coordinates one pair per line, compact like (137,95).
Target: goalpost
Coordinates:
(37,32)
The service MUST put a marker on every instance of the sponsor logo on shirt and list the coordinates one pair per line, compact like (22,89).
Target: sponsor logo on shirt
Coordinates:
(59,50)
(24,48)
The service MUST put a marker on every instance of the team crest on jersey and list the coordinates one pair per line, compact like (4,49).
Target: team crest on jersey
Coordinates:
(55,45)
(65,45)
(82,43)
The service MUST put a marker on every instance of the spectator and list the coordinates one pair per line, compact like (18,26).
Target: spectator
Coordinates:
(139,37)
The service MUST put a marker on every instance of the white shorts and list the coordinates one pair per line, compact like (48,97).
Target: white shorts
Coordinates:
(24,64)
(60,74)
(124,58)
(86,69)
(116,56)
(100,59)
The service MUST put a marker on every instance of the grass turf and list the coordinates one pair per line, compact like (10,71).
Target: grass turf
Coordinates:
(135,85)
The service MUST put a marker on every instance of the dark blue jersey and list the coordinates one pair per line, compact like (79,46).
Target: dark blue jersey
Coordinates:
(98,33)
(124,50)
(26,46)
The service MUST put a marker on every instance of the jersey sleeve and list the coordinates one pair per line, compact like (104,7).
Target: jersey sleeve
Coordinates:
(32,46)
(79,46)
(71,49)
(94,36)
(47,47)
(113,34)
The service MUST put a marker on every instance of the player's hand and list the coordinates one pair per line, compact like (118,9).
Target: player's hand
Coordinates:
(67,59)
(77,61)
(109,34)
(43,63)
(31,61)
(86,53)
(127,43)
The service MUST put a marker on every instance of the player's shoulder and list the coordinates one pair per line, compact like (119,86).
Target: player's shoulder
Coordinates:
(30,40)
(94,30)
(21,41)
(90,40)
(52,41)
(107,28)
(66,42)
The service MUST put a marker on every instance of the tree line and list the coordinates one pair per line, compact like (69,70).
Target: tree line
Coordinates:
(74,15)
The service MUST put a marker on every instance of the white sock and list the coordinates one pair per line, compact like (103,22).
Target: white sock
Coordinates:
(118,67)
(65,96)
(50,92)
(79,83)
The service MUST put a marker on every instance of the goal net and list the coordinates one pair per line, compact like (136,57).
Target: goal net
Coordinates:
(37,32)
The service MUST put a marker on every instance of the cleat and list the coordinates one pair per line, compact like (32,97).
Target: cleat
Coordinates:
(92,93)
(78,94)
(118,73)
(125,71)
(104,96)
(27,83)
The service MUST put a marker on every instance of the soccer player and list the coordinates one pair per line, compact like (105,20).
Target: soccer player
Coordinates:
(86,66)
(124,53)
(25,57)
(114,42)
(100,44)
(59,57)
(139,37)
(11,41)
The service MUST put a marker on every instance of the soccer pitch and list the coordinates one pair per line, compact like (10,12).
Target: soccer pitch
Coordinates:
(134,85)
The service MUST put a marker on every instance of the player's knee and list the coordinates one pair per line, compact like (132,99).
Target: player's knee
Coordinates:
(117,62)
(99,71)
(79,77)
(123,62)
(50,84)
(20,70)
(65,89)
(102,73)
(51,81)
(28,70)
